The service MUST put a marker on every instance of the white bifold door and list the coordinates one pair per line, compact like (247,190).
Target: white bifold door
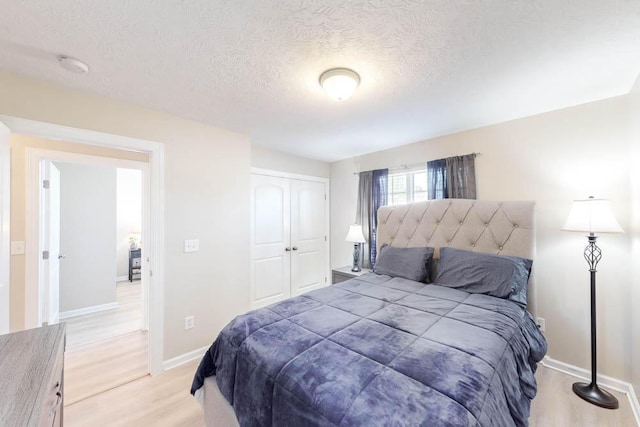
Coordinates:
(289,232)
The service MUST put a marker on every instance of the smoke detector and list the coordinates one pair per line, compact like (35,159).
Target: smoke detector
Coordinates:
(73,65)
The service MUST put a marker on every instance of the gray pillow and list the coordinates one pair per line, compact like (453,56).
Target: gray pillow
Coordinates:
(408,263)
(481,273)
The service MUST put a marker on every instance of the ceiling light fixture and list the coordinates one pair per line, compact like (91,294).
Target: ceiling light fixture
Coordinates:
(340,83)
(72,64)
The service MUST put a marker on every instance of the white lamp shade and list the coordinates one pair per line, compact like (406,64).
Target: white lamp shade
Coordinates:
(355,234)
(340,83)
(592,215)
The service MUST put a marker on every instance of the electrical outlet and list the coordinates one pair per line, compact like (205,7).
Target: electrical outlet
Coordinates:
(189,322)
(541,323)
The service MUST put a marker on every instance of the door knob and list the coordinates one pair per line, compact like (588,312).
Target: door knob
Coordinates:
(287,249)
(295,248)
(61,256)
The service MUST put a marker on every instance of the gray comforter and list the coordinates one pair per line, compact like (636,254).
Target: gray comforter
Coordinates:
(379,351)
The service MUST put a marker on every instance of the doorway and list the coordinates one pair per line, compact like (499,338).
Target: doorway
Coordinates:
(91,214)
(154,245)
(91,232)
(77,194)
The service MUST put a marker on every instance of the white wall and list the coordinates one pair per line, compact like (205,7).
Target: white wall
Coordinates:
(552,158)
(87,235)
(129,214)
(344,196)
(206,197)
(265,158)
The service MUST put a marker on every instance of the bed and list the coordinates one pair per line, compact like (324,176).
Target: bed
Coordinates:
(388,348)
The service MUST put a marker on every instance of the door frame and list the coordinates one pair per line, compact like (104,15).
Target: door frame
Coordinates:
(154,247)
(5,226)
(327,210)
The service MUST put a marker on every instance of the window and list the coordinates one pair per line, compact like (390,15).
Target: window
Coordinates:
(407,187)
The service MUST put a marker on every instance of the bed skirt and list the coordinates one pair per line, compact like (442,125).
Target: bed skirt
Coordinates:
(217,411)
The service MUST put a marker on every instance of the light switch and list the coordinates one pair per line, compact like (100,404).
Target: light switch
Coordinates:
(17,248)
(192,245)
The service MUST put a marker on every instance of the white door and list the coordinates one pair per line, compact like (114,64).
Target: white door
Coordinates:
(270,238)
(51,243)
(308,236)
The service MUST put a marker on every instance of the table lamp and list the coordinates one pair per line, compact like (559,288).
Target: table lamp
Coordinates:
(356,236)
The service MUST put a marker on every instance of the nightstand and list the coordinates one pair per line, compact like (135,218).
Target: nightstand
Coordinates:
(135,264)
(344,273)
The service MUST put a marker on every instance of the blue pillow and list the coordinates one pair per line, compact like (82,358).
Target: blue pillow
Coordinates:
(481,273)
(408,263)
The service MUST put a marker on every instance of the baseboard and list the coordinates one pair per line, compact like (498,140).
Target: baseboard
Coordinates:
(122,279)
(184,358)
(87,310)
(635,405)
(603,380)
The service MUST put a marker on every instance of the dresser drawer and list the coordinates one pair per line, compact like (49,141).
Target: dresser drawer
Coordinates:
(51,414)
(32,375)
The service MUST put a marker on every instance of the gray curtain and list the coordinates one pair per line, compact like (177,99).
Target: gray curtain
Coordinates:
(372,194)
(437,179)
(378,198)
(363,213)
(461,177)
(453,177)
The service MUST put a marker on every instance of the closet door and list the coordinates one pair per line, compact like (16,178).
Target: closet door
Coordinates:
(309,253)
(270,238)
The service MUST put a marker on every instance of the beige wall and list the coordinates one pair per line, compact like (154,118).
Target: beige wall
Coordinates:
(344,196)
(551,158)
(206,197)
(265,158)
(87,235)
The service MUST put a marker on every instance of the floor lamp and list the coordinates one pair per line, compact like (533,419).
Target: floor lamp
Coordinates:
(593,216)
(356,236)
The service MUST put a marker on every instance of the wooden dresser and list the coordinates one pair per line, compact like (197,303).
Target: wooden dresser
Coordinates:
(31,377)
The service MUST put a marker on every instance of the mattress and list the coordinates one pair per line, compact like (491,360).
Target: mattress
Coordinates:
(378,350)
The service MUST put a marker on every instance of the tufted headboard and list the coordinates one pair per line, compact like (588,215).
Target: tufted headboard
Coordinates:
(505,228)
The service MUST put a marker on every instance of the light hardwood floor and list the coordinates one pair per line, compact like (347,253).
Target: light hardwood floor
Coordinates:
(101,366)
(106,349)
(557,406)
(164,400)
(95,327)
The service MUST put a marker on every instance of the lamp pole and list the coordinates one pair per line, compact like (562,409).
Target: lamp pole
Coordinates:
(591,392)
(356,257)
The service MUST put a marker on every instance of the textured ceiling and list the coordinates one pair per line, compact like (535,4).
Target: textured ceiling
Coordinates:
(428,68)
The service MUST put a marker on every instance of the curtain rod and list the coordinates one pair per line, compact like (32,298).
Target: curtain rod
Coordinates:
(405,167)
